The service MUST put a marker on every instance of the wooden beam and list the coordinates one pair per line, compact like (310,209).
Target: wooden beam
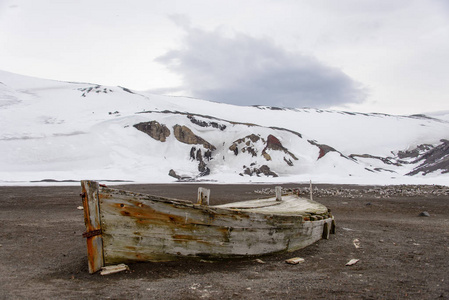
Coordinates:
(278,191)
(92,221)
(203,196)
(311,197)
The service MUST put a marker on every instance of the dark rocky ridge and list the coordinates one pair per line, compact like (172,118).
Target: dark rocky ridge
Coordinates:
(414,153)
(434,159)
(385,160)
(426,158)
(206,124)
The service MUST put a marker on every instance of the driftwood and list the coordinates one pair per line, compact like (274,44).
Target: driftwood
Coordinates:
(114,269)
(295,260)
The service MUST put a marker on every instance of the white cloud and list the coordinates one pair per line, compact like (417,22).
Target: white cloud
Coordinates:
(239,69)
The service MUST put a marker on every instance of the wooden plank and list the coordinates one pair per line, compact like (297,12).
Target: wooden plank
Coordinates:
(158,212)
(92,221)
(114,269)
(295,260)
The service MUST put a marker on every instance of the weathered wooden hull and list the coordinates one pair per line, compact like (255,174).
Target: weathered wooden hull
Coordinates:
(137,227)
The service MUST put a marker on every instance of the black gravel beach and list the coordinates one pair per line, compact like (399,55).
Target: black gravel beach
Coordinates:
(399,234)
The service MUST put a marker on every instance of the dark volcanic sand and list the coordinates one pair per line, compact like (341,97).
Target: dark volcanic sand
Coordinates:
(402,255)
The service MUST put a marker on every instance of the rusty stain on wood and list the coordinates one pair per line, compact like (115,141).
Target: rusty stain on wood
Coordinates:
(138,227)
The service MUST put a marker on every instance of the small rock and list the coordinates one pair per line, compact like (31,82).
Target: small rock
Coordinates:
(352,262)
(172,173)
(259,261)
(424,214)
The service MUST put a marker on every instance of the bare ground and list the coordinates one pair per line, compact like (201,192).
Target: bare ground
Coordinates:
(401,255)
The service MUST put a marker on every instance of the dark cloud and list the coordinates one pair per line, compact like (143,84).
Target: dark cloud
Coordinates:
(243,70)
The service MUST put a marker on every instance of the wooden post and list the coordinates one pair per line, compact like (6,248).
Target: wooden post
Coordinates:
(203,196)
(93,225)
(311,198)
(278,191)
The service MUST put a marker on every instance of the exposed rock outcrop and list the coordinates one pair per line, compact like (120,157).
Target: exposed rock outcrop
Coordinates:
(325,149)
(192,153)
(273,143)
(157,131)
(385,160)
(435,159)
(204,170)
(248,144)
(264,169)
(197,154)
(172,173)
(248,147)
(94,89)
(414,153)
(205,123)
(186,136)
(208,155)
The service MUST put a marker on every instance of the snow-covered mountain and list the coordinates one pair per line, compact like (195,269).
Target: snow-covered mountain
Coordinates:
(72,131)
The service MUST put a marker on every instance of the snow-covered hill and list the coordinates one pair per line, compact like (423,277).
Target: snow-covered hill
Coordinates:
(71,131)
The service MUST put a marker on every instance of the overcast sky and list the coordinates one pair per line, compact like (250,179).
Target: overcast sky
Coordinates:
(361,55)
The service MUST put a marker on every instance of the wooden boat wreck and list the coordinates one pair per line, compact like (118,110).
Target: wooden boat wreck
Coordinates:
(124,226)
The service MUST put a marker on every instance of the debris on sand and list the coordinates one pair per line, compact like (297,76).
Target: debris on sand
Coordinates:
(424,214)
(377,191)
(114,269)
(257,260)
(80,208)
(356,243)
(352,262)
(295,260)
